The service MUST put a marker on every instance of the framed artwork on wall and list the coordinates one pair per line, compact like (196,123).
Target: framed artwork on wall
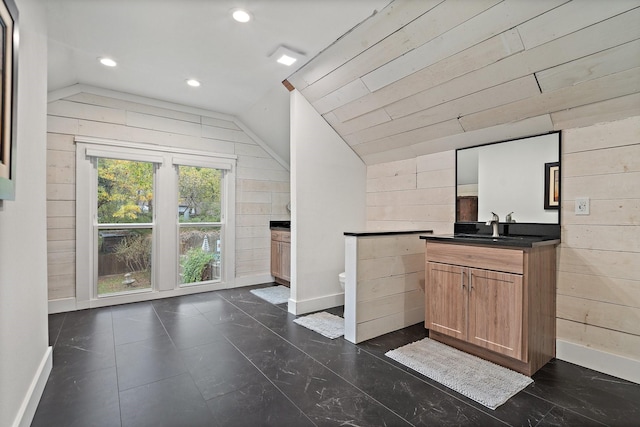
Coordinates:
(551,185)
(8,97)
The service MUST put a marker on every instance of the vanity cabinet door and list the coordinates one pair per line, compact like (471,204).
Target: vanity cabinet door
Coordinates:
(447,299)
(285,261)
(281,256)
(496,312)
(275,258)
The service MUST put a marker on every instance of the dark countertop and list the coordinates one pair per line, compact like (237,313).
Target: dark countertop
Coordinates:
(385,233)
(487,240)
(280,225)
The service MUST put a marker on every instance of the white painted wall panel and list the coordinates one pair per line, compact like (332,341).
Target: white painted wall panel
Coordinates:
(328,198)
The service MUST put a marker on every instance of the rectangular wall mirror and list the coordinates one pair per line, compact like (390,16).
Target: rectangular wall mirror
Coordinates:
(520,177)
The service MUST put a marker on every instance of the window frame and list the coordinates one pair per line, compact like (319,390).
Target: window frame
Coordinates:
(165,226)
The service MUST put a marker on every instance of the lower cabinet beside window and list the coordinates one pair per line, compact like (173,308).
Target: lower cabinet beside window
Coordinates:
(281,256)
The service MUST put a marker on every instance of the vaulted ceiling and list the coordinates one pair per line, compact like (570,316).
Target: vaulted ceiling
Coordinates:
(158,44)
(426,76)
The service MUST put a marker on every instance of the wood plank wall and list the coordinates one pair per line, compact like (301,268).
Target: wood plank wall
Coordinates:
(413,194)
(598,282)
(425,76)
(598,301)
(389,288)
(262,186)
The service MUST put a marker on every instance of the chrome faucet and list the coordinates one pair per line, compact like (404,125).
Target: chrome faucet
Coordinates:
(493,222)
(509,218)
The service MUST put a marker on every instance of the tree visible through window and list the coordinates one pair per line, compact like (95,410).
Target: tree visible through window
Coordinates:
(124,196)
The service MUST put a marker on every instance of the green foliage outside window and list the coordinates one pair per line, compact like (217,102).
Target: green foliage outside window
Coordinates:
(194,264)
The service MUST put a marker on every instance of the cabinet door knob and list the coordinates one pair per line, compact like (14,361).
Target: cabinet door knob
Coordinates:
(462,279)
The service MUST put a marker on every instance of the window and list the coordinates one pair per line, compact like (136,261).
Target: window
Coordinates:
(200,224)
(124,225)
(151,219)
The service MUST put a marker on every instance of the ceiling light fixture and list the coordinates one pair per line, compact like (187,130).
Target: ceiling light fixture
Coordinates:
(108,62)
(193,82)
(241,15)
(286,56)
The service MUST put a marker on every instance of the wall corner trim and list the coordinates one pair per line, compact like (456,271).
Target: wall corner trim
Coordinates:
(598,360)
(34,393)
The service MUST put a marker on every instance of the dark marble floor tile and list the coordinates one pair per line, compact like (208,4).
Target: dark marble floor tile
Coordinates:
(350,408)
(320,393)
(192,331)
(79,400)
(136,310)
(174,309)
(257,404)
(238,327)
(257,367)
(561,417)
(147,361)
(173,401)
(132,328)
(84,353)
(254,337)
(595,395)
(85,323)
(218,310)
(219,368)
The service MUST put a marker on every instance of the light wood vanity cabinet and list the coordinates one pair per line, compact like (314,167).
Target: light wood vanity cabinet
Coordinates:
(281,256)
(497,303)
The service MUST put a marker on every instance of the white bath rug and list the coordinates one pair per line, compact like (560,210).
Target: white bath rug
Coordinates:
(327,324)
(487,383)
(272,294)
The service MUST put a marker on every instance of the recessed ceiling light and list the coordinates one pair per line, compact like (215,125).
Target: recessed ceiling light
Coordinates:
(241,15)
(193,83)
(286,60)
(108,62)
(286,56)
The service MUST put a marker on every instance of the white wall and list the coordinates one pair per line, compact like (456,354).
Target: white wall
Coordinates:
(328,184)
(269,118)
(25,358)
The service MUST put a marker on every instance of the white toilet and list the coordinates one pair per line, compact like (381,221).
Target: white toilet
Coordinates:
(341,278)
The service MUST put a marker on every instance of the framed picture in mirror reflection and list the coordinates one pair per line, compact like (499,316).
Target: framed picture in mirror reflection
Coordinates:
(8,97)
(552,185)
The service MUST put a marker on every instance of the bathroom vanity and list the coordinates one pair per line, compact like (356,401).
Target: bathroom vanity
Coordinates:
(493,297)
(281,251)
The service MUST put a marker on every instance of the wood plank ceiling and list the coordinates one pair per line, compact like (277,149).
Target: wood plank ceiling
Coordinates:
(427,76)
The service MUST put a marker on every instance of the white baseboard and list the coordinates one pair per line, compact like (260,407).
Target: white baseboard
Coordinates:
(315,304)
(598,360)
(34,393)
(62,305)
(71,304)
(252,280)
